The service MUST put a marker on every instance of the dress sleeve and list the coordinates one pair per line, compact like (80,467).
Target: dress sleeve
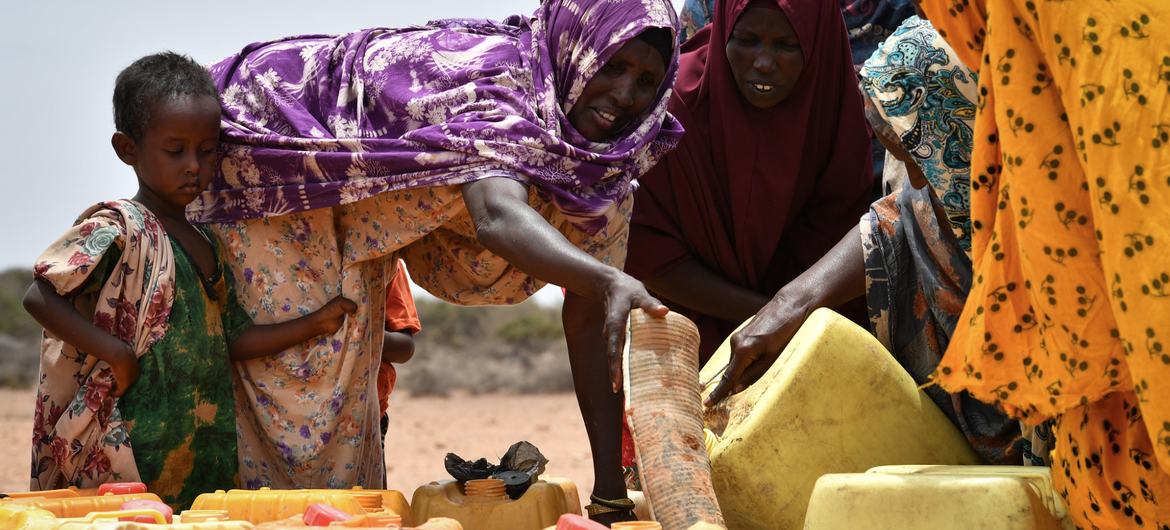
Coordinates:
(70,262)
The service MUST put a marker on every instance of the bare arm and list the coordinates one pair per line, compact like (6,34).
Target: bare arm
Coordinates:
(511,229)
(692,285)
(838,277)
(265,340)
(58,316)
(397,347)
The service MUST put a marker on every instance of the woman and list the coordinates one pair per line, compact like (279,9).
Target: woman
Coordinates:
(911,263)
(869,22)
(1069,211)
(773,169)
(492,157)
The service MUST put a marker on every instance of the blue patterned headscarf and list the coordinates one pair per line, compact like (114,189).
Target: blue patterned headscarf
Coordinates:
(927,95)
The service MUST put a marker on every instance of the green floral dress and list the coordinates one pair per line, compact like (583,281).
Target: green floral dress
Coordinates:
(180,414)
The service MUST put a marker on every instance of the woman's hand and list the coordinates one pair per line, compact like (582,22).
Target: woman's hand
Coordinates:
(621,295)
(757,346)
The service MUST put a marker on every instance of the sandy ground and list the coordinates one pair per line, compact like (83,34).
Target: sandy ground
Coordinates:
(422,432)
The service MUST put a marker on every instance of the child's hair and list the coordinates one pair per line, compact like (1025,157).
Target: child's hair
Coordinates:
(153,79)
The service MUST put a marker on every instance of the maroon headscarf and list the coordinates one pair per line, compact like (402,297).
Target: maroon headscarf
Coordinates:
(757,195)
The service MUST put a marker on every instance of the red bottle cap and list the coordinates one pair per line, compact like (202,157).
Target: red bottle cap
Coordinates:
(121,488)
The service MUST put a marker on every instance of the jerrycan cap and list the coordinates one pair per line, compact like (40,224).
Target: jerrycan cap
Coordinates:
(121,488)
(515,482)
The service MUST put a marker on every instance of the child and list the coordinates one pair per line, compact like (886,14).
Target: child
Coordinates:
(398,345)
(135,303)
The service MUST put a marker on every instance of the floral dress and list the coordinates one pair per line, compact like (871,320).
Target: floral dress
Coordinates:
(309,416)
(118,264)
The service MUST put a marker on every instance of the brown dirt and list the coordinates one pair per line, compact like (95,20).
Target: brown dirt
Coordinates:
(422,432)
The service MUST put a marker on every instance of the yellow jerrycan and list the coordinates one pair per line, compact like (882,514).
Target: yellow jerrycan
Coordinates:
(938,498)
(835,401)
(483,505)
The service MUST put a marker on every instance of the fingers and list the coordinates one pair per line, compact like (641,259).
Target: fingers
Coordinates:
(730,381)
(652,306)
(727,383)
(754,372)
(346,305)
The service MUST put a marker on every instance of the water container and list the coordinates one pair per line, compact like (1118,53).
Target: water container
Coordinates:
(572,521)
(835,401)
(25,517)
(118,488)
(937,497)
(374,501)
(67,507)
(383,521)
(539,507)
(264,505)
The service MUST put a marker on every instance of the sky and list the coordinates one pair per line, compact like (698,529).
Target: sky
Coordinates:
(58,66)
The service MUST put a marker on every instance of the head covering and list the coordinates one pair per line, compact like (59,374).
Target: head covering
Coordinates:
(927,95)
(758,195)
(871,21)
(868,21)
(318,121)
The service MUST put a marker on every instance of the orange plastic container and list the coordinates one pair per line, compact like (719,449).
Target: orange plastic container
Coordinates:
(67,507)
(539,507)
(265,505)
(373,501)
(14,516)
(118,488)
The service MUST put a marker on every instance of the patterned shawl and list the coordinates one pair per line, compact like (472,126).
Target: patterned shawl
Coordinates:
(318,121)
(78,436)
(927,96)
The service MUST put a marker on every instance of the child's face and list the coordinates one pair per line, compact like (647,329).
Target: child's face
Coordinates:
(178,151)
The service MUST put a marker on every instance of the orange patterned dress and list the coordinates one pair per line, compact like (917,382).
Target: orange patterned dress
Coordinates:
(1068,314)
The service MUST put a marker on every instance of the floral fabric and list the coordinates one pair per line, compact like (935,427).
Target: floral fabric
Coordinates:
(79,438)
(928,96)
(320,121)
(1069,307)
(308,417)
(917,278)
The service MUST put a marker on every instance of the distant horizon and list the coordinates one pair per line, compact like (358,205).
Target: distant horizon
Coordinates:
(65,61)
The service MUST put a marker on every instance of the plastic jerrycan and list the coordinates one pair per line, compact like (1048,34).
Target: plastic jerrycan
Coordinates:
(265,505)
(373,501)
(485,506)
(72,507)
(938,497)
(835,401)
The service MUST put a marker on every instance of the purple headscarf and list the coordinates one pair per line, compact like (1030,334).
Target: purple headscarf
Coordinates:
(318,121)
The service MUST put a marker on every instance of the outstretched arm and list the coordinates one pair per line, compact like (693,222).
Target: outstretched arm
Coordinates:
(58,316)
(511,229)
(265,340)
(838,277)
